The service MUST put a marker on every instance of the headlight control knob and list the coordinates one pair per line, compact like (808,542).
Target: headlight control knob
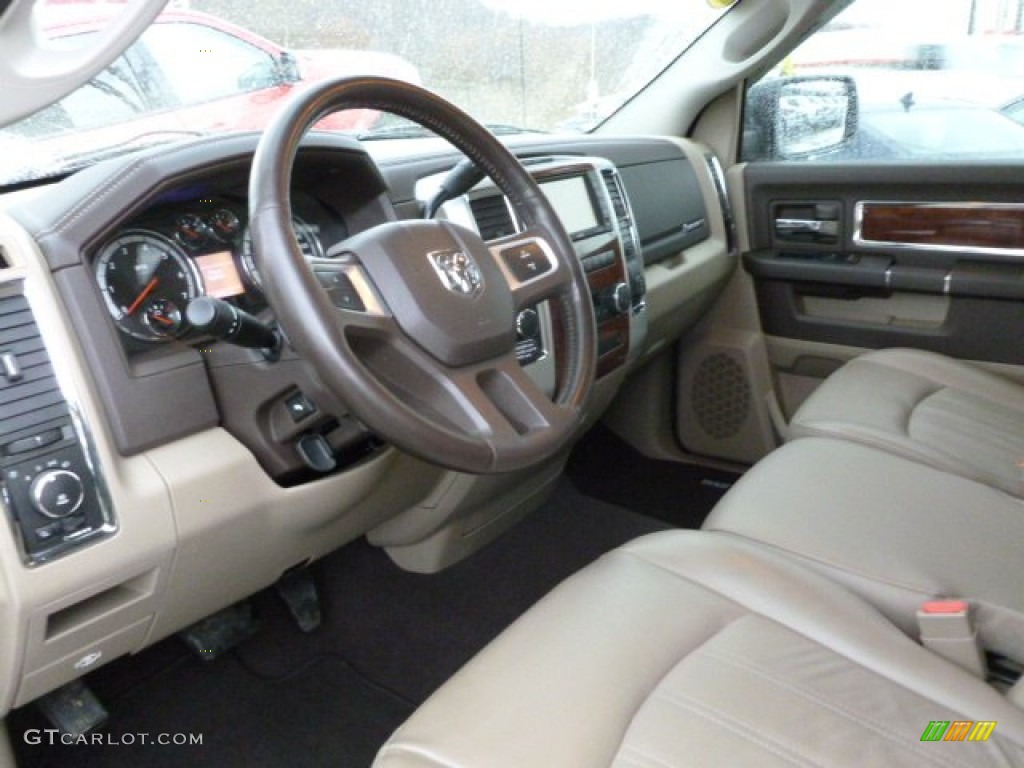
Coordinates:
(57,493)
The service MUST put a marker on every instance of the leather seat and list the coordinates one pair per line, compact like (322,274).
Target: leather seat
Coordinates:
(925,407)
(696,648)
(896,532)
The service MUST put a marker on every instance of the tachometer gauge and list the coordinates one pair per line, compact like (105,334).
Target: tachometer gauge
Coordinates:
(309,244)
(146,280)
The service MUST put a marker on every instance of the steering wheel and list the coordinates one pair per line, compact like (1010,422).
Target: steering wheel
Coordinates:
(413,326)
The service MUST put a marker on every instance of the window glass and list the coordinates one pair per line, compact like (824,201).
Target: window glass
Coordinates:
(926,79)
(200,63)
(110,97)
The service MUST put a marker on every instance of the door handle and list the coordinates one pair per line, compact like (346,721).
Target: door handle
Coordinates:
(806,226)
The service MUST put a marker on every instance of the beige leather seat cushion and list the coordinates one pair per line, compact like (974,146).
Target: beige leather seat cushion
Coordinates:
(895,531)
(927,407)
(695,648)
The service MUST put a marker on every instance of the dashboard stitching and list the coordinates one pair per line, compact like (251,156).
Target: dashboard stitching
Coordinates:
(123,177)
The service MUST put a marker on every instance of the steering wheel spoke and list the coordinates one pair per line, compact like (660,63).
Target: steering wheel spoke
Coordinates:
(497,400)
(529,264)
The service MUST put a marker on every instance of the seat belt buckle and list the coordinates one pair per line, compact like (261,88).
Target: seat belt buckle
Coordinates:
(946,629)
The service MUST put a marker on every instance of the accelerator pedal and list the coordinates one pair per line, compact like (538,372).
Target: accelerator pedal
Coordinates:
(220,632)
(298,590)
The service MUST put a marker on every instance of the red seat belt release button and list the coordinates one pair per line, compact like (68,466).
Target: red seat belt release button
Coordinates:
(946,629)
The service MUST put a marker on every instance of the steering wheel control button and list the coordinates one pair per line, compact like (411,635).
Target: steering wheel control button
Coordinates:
(57,493)
(299,407)
(340,290)
(526,261)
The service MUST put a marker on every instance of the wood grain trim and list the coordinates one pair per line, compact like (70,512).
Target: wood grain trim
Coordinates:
(997,226)
(613,333)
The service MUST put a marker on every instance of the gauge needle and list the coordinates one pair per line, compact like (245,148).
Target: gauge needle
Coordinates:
(162,319)
(142,296)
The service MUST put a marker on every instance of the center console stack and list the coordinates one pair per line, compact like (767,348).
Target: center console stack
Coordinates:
(590,199)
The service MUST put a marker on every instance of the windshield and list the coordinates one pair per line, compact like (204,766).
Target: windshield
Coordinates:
(214,66)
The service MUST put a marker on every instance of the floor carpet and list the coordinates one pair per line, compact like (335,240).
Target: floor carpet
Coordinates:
(331,697)
(605,467)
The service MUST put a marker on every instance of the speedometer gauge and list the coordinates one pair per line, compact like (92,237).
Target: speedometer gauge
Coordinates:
(309,245)
(146,281)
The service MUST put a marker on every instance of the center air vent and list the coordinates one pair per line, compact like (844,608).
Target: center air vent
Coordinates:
(493,217)
(615,192)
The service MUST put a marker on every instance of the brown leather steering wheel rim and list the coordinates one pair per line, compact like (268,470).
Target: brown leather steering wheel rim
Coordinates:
(472,442)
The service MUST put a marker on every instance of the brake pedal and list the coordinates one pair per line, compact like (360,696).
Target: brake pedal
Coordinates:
(73,709)
(298,590)
(219,633)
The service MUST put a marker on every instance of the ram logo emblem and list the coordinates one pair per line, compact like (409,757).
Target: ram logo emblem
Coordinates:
(458,272)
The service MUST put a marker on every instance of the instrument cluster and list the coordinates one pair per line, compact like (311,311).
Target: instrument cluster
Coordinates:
(151,269)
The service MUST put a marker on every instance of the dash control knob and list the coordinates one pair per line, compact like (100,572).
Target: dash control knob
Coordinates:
(620,298)
(57,493)
(527,324)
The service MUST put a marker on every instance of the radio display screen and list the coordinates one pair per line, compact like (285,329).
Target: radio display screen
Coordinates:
(570,197)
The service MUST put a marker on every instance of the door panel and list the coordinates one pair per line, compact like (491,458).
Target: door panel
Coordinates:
(885,255)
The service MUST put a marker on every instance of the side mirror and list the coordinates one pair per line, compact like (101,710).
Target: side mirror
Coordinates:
(796,118)
(288,68)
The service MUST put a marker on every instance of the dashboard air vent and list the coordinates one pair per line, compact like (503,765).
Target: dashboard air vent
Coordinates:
(615,192)
(29,393)
(493,218)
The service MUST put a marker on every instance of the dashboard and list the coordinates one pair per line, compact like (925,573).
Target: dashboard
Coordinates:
(188,244)
(202,470)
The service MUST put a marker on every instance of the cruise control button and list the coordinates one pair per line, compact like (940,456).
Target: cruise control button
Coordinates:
(339,288)
(526,261)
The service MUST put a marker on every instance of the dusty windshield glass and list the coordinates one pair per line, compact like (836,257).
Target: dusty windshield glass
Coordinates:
(212,66)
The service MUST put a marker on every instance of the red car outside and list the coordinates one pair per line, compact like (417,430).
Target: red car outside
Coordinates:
(188,73)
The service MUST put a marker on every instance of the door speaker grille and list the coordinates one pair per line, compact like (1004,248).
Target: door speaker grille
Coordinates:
(720,396)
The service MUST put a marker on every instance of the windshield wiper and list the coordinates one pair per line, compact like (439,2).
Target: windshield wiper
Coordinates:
(415,131)
(506,129)
(396,131)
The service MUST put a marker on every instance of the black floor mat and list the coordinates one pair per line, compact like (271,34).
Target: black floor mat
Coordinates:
(322,714)
(605,467)
(410,632)
(330,698)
